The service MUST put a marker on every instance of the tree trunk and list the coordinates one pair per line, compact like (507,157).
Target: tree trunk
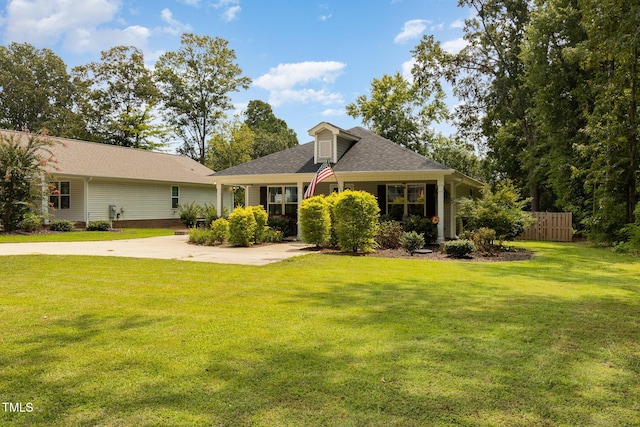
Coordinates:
(633,141)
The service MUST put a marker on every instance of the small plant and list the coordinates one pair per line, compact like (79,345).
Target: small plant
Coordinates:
(200,236)
(280,223)
(30,222)
(483,239)
(210,214)
(459,248)
(189,213)
(101,225)
(242,227)
(272,235)
(61,225)
(412,241)
(428,227)
(389,235)
(219,230)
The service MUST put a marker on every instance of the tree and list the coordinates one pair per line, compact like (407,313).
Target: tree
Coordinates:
(271,134)
(195,82)
(231,144)
(401,111)
(35,91)
(117,98)
(22,167)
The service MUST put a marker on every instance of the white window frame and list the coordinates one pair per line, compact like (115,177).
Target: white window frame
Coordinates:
(57,186)
(406,202)
(281,198)
(175,199)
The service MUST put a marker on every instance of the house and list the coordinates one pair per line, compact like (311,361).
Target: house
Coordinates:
(131,187)
(404,182)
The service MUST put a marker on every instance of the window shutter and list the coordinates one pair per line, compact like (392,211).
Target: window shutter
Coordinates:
(263,197)
(382,198)
(431,200)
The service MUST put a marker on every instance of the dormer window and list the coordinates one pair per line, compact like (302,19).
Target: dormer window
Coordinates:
(325,145)
(331,142)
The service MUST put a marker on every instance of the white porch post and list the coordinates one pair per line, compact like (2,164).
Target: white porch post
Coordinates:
(441,209)
(247,188)
(453,212)
(219,198)
(300,196)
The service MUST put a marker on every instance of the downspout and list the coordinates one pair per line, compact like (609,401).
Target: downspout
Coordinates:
(86,200)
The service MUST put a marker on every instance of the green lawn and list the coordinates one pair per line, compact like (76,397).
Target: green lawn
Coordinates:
(323,340)
(84,236)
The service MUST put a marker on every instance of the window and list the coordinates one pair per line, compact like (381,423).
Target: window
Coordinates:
(334,187)
(405,199)
(175,197)
(282,201)
(60,197)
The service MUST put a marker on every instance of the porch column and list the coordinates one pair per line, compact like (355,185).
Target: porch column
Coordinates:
(219,198)
(453,212)
(300,196)
(247,188)
(441,209)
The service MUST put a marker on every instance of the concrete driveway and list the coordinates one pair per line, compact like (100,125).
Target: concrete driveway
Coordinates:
(165,247)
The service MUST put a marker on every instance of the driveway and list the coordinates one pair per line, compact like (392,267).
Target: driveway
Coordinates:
(165,247)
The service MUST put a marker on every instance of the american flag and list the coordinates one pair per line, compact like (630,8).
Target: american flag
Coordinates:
(323,173)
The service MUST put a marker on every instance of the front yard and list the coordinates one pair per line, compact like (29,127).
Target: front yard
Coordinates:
(322,340)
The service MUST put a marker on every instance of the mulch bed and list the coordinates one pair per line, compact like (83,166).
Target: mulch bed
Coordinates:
(514,254)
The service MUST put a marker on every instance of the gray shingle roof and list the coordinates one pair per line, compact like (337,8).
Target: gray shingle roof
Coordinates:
(372,153)
(90,159)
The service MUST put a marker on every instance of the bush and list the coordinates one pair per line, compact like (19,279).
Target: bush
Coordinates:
(356,220)
(482,239)
(411,241)
(389,235)
(271,235)
(210,214)
(280,223)
(30,222)
(631,234)
(425,226)
(315,221)
(61,225)
(459,248)
(189,213)
(101,225)
(261,217)
(200,236)
(219,230)
(242,227)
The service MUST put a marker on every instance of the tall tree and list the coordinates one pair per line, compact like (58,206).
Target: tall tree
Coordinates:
(117,99)
(195,82)
(271,134)
(35,90)
(231,144)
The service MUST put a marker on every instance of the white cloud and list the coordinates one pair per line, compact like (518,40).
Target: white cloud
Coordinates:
(194,3)
(175,27)
(231,9)
(283,82)
(454,46)
(324,18)
(333,112)
(458,23)
(406,69)
(412,30)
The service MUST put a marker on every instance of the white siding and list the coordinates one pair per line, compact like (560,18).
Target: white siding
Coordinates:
(76,202)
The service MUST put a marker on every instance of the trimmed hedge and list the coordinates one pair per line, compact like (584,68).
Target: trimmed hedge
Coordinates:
(459,248)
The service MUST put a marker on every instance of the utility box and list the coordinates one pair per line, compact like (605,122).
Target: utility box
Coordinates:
(112,211)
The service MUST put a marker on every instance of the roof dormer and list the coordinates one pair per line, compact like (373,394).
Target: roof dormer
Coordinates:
(330,142)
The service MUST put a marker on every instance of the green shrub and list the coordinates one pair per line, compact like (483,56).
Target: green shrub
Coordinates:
(356,220)
(280,223)
(101,225)
(411,241)
(331,203)
(483,239)
(30,222)
(631,235)
(315,220)
(389,235)
(61,225)
(424,226)
(200,236)
(261,217)
(210,214)
(272,235)
(459,248)
(242,227)
(189,213)
(219,230)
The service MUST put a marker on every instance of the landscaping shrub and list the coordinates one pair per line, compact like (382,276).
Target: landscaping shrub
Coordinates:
(280,224)
(428,227)
(201,236)
(101,225)
(389,235)
(242,227)
(459,248)
(210,214)
(411,241)
(189,213)
(30,222)
(261,217)
(62,225)
(482,239)
(315,220)
(271,235)
(219,230)
(331,204)
(356,220)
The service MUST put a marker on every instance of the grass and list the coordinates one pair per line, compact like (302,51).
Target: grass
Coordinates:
(84,236)
(323,340)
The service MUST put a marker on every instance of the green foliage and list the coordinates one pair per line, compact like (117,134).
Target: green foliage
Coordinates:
(412,241)
(500,210)
(270,134)
(389,235)
(280,224)
(62,225)
(459,248)
(424,226)
(220,230)
(315,220)
(356,220)
(30,222)
(23,160)
(482,239)
(261,217)
(242,227)
(631,234)
(271,235)
(200,236)
(231,144)
(210,214)
(189,213)
(100,225)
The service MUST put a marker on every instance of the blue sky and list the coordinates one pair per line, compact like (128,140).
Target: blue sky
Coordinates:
(308,59)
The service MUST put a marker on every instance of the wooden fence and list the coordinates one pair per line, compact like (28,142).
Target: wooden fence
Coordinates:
(550,226)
